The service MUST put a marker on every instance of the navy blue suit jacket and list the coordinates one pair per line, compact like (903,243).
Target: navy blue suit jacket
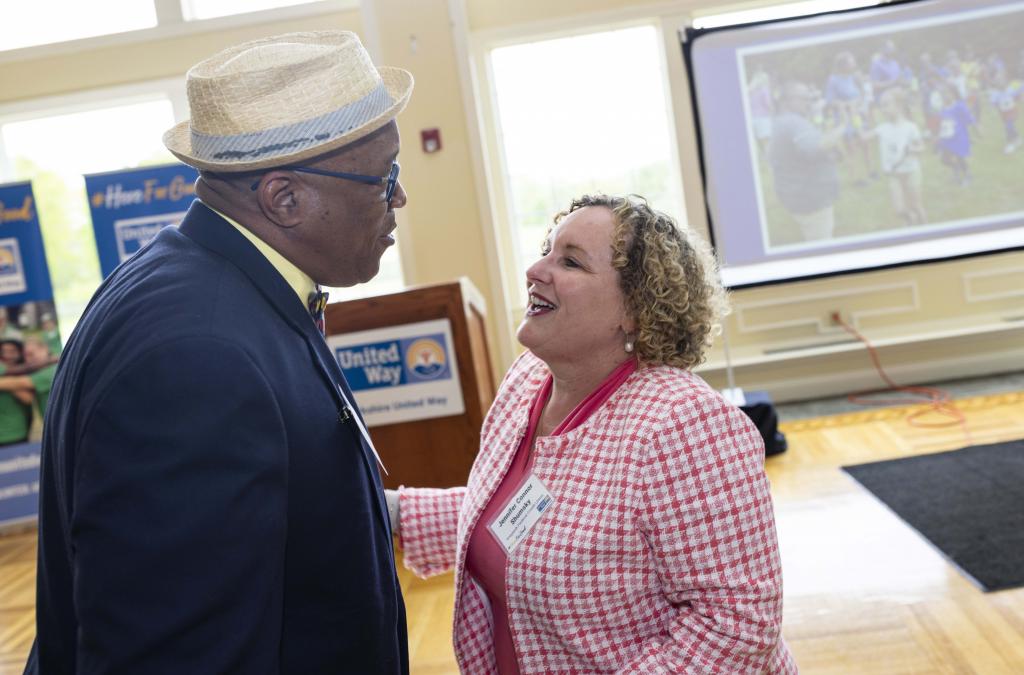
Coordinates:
(207,504)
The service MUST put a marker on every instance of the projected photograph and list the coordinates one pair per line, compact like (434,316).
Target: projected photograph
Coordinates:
(887,132)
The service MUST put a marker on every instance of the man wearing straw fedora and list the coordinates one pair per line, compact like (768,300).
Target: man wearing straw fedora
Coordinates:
(210,500)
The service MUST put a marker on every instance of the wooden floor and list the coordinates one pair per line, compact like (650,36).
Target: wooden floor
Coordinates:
(864,592)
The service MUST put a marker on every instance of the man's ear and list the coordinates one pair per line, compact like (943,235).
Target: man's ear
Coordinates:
(282,198)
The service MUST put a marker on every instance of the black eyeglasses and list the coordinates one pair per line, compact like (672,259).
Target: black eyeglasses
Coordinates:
(391,180)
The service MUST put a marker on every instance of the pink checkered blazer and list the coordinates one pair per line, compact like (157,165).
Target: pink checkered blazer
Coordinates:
(658,556)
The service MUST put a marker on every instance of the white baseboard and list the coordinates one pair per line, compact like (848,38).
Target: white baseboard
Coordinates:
(826,375)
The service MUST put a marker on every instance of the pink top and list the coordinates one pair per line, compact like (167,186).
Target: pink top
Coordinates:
(485,557)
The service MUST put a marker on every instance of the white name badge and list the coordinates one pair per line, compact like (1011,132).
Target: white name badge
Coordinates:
(521,513)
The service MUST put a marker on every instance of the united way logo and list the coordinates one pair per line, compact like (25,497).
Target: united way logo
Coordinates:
(425,359)
(12,276)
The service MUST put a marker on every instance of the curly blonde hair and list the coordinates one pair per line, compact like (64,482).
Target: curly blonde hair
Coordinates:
(668,277)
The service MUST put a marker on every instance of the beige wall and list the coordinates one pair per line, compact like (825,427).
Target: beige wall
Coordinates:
(932,321)
(441,233)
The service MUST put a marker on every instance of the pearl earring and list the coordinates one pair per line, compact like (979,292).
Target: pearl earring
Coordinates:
(629,345)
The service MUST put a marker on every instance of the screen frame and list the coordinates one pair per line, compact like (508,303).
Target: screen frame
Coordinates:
(688,35)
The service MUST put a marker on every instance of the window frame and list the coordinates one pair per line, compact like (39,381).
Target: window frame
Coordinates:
(172,89)
(171,23)
(495,188)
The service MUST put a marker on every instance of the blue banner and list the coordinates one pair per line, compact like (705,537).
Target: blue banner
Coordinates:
(19,483)
(26,294)
(24,276)
(130,207)
(29,345)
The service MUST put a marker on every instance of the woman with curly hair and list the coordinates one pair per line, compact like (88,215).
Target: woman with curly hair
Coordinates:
(617,517)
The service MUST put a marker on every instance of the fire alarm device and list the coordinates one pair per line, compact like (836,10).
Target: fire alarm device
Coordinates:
(430,139)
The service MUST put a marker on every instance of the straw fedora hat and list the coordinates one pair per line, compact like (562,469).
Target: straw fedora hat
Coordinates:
(284,99)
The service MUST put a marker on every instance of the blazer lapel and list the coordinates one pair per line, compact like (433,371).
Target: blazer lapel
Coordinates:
(209,230)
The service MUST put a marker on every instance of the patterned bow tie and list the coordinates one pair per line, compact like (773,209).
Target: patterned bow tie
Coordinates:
(317,303)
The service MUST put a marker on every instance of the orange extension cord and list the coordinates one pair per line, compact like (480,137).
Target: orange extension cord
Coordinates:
(935,400)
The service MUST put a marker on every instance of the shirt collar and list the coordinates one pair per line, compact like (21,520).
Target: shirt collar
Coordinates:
(301,283)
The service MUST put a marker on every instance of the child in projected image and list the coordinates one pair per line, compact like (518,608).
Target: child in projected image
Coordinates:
(973,69)
(848,108)
(899,143)
(954,134)
(930,78)
(959,72)
(1004,96)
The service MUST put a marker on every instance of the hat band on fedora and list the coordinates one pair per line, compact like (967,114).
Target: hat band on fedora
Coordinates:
(291,138)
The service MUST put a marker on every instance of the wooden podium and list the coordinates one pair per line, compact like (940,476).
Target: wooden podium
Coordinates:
(436,452)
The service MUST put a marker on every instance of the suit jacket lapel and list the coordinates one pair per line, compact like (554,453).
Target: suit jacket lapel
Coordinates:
(209,230)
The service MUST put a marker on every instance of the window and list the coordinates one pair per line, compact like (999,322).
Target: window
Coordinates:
(388,280)
(39,22)
(54,149)
(42,26)
(581,114)
(194,10)
(793,9)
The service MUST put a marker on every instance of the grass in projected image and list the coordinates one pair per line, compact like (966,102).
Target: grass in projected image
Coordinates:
(864,205)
